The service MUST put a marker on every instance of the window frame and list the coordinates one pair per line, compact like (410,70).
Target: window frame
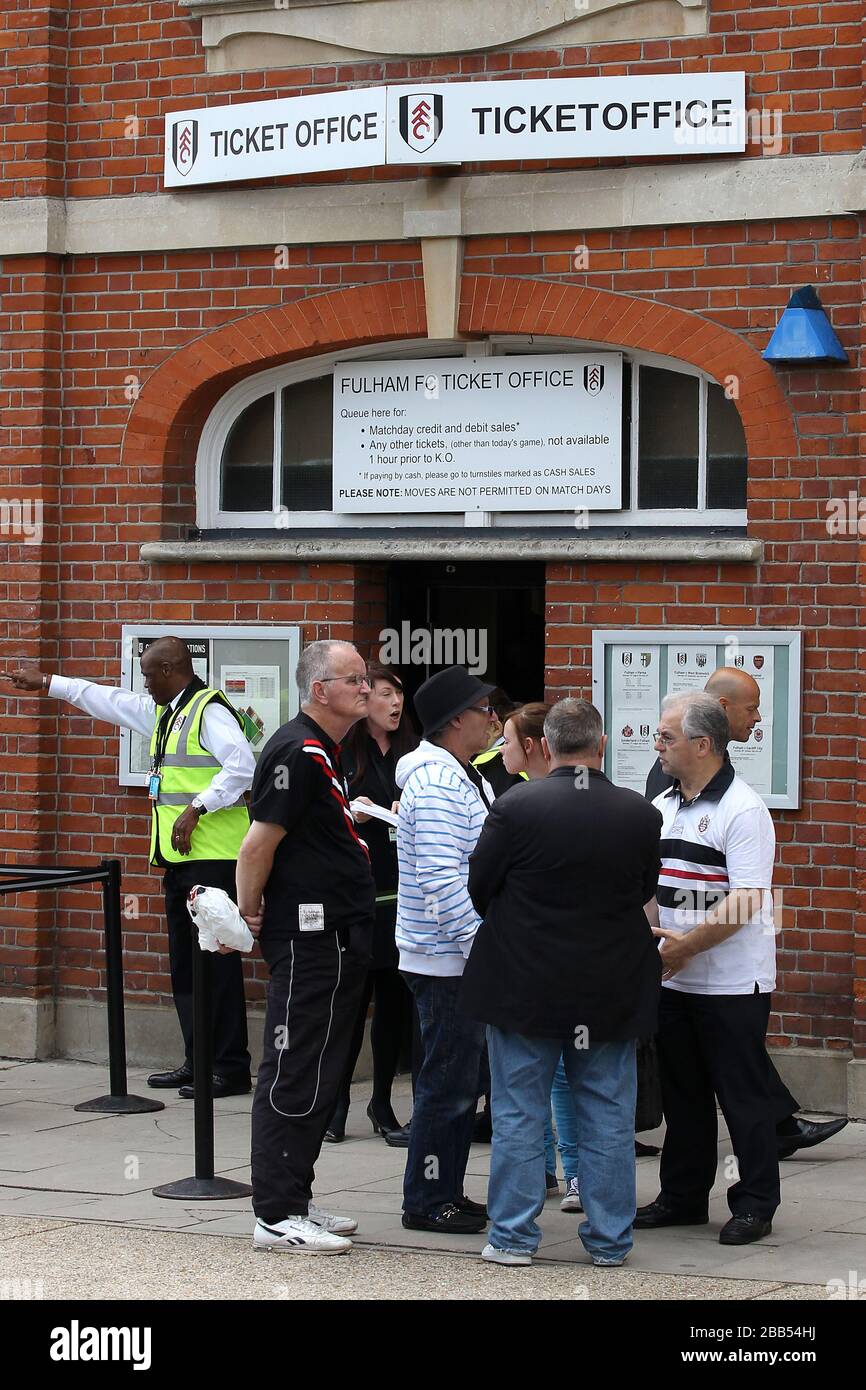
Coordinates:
(209,516)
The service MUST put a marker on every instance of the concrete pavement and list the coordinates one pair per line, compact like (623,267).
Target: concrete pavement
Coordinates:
(77,1213)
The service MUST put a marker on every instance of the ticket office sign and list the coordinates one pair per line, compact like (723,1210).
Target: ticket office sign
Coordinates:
(634,670)
(569,118)
(479,434)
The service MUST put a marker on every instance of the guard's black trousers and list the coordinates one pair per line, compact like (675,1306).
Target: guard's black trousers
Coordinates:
(231,1058)
(713,1045)
(313,997)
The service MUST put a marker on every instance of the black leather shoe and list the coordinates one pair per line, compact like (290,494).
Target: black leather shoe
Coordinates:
(334,1134)
(221,1087)
(742,1230)
(397,1138)
(659,1213)
(450,1220)
(796,1134)
(181,1076)
(478,1209)
(394,1134)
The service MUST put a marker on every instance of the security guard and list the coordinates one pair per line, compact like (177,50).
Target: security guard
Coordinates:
(200,766)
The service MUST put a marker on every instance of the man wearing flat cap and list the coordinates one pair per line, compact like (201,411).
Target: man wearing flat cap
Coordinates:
(440,818)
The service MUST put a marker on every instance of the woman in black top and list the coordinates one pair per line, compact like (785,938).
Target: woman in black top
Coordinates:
(369,755)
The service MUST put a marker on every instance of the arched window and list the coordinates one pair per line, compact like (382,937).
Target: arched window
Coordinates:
(265,455)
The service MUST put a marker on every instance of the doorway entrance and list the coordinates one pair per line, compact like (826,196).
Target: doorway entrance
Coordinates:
(492,611)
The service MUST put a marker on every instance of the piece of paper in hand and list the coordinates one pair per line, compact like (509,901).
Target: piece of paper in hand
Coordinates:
(218,920)
(375,812)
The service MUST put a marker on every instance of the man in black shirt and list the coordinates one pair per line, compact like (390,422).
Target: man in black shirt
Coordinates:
(306,889)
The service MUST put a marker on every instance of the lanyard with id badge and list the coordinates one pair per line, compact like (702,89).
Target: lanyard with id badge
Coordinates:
(154,776)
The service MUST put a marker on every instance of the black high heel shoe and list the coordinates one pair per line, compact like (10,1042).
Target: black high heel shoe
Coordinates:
(390,1126)
(336,1131)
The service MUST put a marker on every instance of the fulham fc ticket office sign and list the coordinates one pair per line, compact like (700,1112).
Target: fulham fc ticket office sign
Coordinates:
(510,434)
(579,118)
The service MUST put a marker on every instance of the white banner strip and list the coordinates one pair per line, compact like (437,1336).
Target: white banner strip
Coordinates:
(567,118)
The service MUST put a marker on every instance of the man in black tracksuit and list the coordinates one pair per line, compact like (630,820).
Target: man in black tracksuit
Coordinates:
(306,888)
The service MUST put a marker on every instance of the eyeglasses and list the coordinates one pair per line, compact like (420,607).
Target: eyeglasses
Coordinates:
(482,709)
(668,739)
(350,680)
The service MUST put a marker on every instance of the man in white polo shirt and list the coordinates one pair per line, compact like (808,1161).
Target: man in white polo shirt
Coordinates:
(715,918)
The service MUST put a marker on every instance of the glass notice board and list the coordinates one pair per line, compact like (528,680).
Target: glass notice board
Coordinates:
(253,666)
(632,671)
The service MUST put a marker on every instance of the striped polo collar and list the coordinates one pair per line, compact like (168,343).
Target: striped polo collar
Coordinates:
(715,788)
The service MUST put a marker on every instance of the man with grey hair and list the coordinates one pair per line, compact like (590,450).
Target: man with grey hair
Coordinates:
(739,695)
(564,965)
(714,915)
(306,889)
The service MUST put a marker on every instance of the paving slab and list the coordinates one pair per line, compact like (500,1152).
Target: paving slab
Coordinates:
(71,1261)
(93,1174)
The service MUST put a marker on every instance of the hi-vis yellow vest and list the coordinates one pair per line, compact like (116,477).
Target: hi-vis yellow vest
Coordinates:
(487,757)
(188,769)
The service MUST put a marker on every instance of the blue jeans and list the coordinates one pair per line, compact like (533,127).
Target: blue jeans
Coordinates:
(565,1119)
(446,1093)
(549,1143)
(561,1113)
(603,1084)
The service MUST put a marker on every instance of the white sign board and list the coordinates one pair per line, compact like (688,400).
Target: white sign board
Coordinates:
(633,669)
(570,118)
(456,434)
(266,139)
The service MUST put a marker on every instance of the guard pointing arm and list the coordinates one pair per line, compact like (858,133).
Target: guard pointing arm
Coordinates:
(200,767)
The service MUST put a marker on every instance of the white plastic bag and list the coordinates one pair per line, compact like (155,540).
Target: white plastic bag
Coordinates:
(218,920)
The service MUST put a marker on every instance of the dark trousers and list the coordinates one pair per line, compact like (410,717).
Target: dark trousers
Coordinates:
(313,997)
(231,1058)
(715,1046)
(782,1103)
(392,1015)
(446,1092)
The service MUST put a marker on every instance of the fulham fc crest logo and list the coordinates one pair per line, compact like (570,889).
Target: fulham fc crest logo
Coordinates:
(420,120)
(184,145)
(593,378)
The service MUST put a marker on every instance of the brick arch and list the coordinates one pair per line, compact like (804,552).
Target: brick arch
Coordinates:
(179,394)
(498,304)
(176,398)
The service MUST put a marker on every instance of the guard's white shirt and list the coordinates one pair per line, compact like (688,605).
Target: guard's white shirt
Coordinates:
(221,734)
(712,846)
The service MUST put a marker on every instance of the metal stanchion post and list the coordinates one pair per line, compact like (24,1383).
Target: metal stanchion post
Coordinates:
(204,1186)
(119,1102)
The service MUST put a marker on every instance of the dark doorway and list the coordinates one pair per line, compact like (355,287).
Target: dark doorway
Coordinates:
(504,602)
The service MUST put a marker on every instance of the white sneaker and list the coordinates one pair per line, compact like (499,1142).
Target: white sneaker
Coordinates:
(495,1256)
(571,1200)
(326,1221)
(299,1236)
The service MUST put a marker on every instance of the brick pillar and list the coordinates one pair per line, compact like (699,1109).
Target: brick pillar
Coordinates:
(30,359)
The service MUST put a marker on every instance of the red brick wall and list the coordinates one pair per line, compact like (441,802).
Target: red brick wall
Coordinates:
(144,60)
(112,322)
(806,578)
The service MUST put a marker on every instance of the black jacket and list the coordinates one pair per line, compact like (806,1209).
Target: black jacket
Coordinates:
(378,783)
(560,876)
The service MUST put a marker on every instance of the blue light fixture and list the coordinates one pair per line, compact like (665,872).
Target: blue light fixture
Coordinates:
(804,335)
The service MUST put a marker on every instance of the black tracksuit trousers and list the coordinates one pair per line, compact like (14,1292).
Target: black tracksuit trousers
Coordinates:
(313,997)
